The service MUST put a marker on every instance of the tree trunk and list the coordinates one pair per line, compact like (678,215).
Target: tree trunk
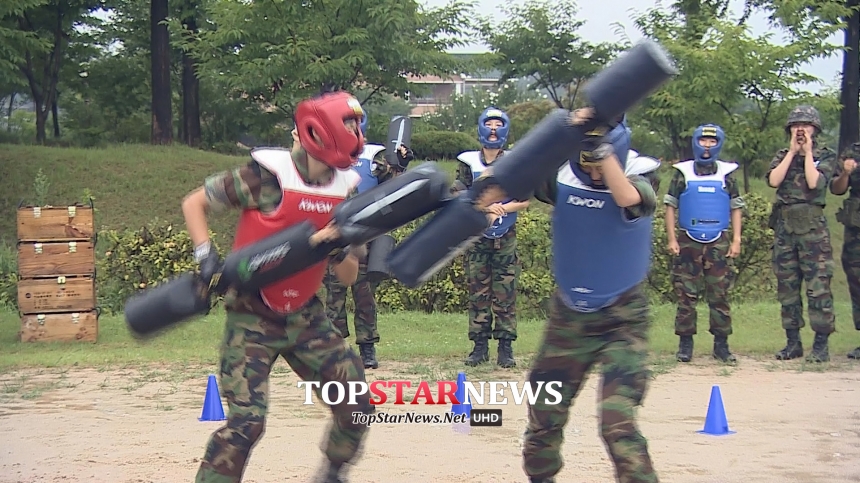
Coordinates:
(41,122)
(190,90)
(849,121)
(9,112)
(747,176)
(55,117)
(162,115)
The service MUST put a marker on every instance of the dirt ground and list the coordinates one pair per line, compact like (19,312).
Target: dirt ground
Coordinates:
(128,426)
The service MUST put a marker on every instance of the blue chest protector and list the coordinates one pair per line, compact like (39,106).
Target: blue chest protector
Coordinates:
(364,167)
(598,253)
(704,209)
(504,223)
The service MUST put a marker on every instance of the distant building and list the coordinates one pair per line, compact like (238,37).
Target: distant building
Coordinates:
(438,90)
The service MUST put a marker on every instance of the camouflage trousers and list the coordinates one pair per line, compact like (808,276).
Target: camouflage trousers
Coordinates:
(252,343)
(708,263)
(492,269)
(364,296)
(805,258)
(851,266)
(617,338)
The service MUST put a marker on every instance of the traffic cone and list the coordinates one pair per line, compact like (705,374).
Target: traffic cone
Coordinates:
(716,423)
(465,406)
(213,410)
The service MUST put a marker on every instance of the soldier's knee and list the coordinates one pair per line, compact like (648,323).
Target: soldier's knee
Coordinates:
(248,429)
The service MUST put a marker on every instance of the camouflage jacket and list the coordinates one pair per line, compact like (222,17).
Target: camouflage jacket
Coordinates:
(793,188)
(854,179)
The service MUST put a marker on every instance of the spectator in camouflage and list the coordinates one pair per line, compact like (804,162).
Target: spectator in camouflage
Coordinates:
(256,335)
(802,251)
(706,197)
(492,264)
(588,324)
(363,290)
(846,177)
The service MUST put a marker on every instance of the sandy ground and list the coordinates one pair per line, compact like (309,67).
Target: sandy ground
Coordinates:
(132,426)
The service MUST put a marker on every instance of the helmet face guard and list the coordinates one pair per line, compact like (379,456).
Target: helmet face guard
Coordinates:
(501,132)
(708,131)
(324,117)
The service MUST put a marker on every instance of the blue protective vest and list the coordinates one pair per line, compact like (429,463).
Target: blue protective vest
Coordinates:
(364,167)
(504,223)
(598,254)
(704,209)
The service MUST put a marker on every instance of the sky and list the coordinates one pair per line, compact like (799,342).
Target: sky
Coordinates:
(601,16)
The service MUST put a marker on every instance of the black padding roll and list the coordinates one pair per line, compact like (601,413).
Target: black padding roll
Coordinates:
(273,258)
(629,79)
(450,232)
(166,305)
(392,204)
(377,258)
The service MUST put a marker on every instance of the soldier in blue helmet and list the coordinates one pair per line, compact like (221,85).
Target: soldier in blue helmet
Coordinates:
(373,171)
(705,195)
(603,206)
(492,264)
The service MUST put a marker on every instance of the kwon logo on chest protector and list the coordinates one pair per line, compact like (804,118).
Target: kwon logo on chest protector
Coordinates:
(586,202)
(314,206)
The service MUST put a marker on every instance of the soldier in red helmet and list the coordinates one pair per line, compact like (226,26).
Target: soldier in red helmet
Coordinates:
(279,188)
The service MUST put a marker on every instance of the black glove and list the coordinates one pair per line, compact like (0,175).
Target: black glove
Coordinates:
(594,147)
(404,160)
(210,264)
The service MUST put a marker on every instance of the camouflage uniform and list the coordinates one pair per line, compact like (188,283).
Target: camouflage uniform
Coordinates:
(492,269)
(697,261)
(849,216)
(255,337)
(363,290)
(802,249)
(573,342)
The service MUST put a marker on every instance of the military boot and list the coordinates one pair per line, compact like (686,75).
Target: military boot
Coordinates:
(368,356)
(481,352)
(721,350)
(820,351)
(855,354)
(793,348)
(506,354)
(331,473)
(685,349)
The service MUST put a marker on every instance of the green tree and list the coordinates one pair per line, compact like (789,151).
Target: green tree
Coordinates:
(538,40)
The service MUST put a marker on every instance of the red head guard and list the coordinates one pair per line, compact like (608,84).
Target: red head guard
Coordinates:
(324,116)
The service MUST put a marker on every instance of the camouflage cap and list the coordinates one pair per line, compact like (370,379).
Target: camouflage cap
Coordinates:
(803,114)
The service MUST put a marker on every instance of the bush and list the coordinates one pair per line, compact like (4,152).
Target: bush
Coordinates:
(140,259)
(8,277)
(442,144)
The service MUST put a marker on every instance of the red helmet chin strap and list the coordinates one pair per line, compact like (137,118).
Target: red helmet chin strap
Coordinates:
(324,117)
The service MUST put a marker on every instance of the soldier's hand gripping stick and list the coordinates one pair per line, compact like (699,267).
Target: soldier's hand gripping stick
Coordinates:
(359,220)
(536,157)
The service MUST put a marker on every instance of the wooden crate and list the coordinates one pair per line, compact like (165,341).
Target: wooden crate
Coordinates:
(65,327)
(53,259)
(59,294)
(36,223)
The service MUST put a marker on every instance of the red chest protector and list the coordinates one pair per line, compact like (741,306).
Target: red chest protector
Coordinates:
(300,202)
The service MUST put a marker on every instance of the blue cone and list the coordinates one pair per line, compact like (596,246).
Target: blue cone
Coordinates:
(716,423)
(465,407)
(213,410)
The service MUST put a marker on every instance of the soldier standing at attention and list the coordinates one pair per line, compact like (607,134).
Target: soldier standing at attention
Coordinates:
(849,215)
(493,264)
(707,199)
(802,249)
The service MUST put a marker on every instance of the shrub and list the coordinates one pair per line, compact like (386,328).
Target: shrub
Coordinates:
(138,259)
(8,277)
(442,144)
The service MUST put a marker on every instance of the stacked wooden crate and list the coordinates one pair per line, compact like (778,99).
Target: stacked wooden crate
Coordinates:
(57,274)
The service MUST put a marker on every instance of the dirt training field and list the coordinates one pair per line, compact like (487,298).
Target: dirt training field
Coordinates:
(132,426)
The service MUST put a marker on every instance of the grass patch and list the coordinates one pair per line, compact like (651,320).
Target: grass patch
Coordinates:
(432,345)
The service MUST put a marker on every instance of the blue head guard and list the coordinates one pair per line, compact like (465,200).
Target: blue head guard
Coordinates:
(501,133)
(704,131)
(363,123)
(619,138)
